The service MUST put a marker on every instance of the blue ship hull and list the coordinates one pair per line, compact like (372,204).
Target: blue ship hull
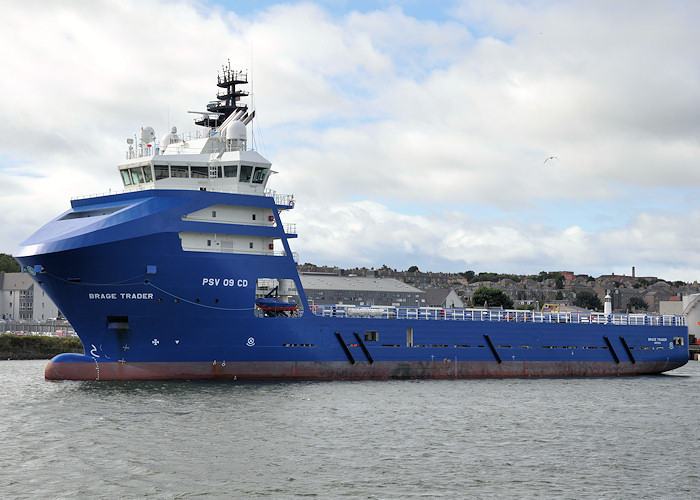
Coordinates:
(145,308)
(161,282)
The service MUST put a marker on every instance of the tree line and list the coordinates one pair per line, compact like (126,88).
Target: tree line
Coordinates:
(8,264)
(586,299)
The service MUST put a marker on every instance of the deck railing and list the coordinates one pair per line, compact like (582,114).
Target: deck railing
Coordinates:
(499,315)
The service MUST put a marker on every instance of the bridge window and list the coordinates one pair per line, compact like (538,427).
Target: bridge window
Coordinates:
(179,171)
(200,172)
(259,175)
(147,174)
(126,178)
(136,175)
(162,171)
(230,170)
(246,173)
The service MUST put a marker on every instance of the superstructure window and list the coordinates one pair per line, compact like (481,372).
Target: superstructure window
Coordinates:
(147,174)
(246,173)
(200,172)
(179,171)
(126,178)
(136,175)
(259,175)
(230,170)
(162,171)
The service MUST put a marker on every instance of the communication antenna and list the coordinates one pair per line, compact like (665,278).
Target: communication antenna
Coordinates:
(256,124)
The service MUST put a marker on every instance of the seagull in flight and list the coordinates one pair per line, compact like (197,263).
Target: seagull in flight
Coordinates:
(550,158)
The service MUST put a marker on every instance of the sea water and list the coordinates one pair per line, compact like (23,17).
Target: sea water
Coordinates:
(623,437)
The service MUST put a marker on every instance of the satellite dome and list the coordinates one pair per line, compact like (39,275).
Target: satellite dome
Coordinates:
(169,138)
(236,130)
(147,134)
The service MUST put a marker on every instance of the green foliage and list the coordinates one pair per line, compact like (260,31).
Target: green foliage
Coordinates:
(494,277)
(559,295)
(468,274)
(493,297)
(637,303)
(588,300)
(679,284)
(643,282)
(559,281)
(413,269)
(8,264)
(547,276)
(36,347)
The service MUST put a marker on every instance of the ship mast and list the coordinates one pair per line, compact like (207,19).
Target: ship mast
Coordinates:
(228,100)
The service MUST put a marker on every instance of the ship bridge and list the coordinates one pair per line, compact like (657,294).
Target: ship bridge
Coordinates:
(217,159)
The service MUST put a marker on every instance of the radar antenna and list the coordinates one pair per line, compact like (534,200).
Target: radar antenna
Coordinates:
(228,99)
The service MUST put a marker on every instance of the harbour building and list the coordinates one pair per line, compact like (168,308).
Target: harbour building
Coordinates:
(361,291)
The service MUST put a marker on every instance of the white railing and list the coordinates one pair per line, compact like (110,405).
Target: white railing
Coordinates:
(106,193)
(282,253)
(280,199)
(142,151)
(498,315)
(285,200)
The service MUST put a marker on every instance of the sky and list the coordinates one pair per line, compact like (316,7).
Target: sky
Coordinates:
(409,132)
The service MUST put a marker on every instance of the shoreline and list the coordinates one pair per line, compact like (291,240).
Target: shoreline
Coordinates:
(26,347)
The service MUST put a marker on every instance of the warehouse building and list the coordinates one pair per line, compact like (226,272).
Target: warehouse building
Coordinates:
(361,291)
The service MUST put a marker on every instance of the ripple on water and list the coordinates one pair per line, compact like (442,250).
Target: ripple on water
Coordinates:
(583,438)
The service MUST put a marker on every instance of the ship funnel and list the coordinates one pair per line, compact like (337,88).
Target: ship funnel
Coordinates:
(248,118)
